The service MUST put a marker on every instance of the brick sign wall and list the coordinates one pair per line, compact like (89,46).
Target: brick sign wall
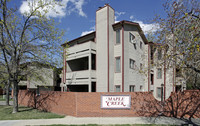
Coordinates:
(90,104)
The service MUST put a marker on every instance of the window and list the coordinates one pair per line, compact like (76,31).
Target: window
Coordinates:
(132,64)
(141,88)
(118,36)
(141,66)
(117,65)
(152,79)
(159,54)
(38,91)
(140,45)
(117,88)
(132,38)
(132,88)
(159,92)
(159,73)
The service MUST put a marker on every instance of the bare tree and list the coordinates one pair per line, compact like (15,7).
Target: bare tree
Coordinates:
(26,38)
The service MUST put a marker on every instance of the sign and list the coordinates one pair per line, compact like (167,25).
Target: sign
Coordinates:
(116,101)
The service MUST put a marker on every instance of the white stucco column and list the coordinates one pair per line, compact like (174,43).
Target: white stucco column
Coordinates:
(89,69)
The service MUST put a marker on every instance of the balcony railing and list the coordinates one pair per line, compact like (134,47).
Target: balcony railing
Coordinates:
(80,76)
(81,49)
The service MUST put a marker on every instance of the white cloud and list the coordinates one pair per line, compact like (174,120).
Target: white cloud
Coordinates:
(131,17)
(87,32)
(118,14)
(146,27)
(57,9)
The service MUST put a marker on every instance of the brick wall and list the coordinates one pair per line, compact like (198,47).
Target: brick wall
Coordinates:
(89,104)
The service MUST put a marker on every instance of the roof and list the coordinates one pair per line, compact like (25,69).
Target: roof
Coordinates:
(114,25)
(81,37)
(135,24)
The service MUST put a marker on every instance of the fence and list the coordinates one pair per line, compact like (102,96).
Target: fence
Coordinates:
(184,104)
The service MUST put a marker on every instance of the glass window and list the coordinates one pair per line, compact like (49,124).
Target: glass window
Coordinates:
(118,64)
(118,36)
(141,88)
(159,76)
(159,54)
(140,45)
(159,92)
(141,66)
(132,64)
(152,79)
(117,88)
(132,38)
(132,88)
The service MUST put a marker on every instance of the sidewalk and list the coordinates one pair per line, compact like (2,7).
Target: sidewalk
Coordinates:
(96,120)
(4,102)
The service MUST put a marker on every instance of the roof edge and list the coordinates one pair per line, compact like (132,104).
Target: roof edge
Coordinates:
(79,38)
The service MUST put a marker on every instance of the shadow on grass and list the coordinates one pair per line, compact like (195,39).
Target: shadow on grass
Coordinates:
(24,109)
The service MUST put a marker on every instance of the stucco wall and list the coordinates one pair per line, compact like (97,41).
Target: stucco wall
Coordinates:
(104,34)
(133,76)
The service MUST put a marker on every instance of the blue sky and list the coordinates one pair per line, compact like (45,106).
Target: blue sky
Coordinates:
(77,17)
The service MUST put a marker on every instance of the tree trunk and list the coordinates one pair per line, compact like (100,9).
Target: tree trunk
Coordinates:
(7,93)
(15,97)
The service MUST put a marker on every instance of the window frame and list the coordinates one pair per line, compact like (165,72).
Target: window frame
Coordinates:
(159,88)
(159,53)
(131,37)
(141,45)
(159,70)
(141,87)
(118,37)
(141,66)
(116,64)
(133,64)
(116,88)
(131,88)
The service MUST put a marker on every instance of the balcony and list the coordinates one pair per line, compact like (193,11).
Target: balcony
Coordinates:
(81,50)
(80,77)
(22,83)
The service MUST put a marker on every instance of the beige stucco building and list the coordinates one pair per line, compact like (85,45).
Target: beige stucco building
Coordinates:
(115,58)
(38,76)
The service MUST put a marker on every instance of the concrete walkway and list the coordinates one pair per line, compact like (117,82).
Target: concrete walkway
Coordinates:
(4,102)
(96,120)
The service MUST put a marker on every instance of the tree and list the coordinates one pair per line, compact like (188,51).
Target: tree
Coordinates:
(180,31)
(4,82)
(26,38)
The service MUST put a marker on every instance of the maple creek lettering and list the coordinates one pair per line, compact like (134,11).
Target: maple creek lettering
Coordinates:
(118,101)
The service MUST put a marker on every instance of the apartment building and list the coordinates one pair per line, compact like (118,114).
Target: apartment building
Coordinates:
(115,58)
(39,76)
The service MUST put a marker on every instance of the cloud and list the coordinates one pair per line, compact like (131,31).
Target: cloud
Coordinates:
(146,27)
(131,17)
(118,14)
(61,9)
(87,32)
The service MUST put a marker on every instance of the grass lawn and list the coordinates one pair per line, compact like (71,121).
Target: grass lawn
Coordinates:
(25,113)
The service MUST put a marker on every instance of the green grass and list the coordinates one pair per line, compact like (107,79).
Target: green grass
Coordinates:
(25,113)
